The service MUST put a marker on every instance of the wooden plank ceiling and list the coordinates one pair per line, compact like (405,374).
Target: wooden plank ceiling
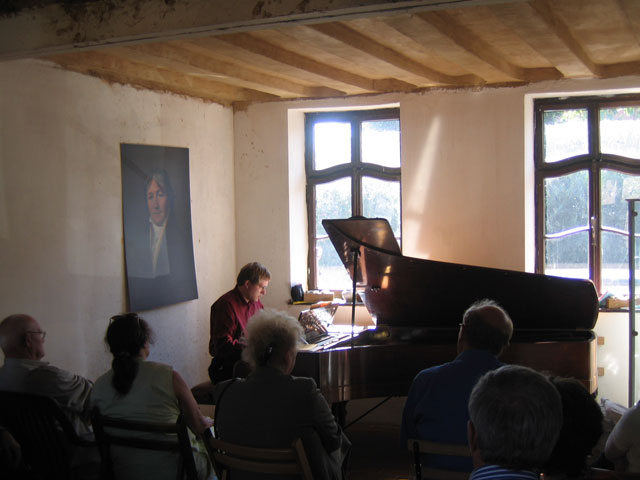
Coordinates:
(492,44)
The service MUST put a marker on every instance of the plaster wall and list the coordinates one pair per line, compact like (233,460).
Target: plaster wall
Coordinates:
(467,170)
(61,238)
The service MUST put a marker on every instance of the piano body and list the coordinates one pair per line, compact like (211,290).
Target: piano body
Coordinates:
(418,305)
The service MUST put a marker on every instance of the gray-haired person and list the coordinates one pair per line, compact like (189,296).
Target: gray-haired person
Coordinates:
(271,408)
(515,420)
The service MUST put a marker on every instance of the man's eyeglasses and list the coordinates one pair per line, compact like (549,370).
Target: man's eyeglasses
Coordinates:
(38,332)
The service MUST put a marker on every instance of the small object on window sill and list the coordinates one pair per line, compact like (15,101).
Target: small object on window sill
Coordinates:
(313,296)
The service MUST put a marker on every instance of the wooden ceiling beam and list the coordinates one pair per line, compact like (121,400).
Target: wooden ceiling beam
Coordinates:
(371,47)
(266,49)
(114,68)
(562,31)
(63,26)
(191,55)
(475,45)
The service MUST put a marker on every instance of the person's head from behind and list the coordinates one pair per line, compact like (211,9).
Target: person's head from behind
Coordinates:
(581,428)
(271,340)
(515,419)
(485,326)
(22,337)
(253,280)
(128,337)
(159,196)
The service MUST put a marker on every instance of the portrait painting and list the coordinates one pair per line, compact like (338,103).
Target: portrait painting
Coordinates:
(156,210)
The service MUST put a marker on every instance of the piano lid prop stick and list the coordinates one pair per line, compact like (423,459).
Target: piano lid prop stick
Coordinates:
(355,251)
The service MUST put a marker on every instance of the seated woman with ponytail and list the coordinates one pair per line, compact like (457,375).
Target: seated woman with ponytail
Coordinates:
(271,408)
(140,390)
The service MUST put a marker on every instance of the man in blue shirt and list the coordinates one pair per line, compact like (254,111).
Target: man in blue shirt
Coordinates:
(515,420)
(436,407)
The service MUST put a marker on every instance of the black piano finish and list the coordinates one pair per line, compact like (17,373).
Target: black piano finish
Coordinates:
(418,305)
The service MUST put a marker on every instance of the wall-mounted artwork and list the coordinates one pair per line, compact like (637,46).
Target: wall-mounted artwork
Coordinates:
(158,243)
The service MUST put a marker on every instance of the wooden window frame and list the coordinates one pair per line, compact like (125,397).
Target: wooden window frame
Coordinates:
(356,170)
(593,162)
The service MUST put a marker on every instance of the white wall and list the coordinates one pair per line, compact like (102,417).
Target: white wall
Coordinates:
(61,240)
(467,193)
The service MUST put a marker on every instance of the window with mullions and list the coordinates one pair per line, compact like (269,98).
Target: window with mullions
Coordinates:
(353,168)
(587,160)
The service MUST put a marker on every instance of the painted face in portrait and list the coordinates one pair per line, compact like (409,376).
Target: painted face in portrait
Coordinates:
(157,203)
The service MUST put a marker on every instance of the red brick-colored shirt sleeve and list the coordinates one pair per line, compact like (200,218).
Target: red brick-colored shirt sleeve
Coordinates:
(229,317)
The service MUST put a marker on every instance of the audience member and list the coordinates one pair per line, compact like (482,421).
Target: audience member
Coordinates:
(515,420)
(10,454)
(22,341)
(229,317)
(581,430)
(271,408)
(623,444)
(436,407)
(140,390)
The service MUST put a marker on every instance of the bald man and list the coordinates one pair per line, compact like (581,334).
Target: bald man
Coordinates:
(436,407)
(22,341)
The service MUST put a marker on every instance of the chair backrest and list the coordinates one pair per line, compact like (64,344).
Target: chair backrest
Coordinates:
(116,431)
(604,474)
(45,434)
(228,457)
(419,447)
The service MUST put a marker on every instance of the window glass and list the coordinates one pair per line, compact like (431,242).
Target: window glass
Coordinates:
(566,134)
(568,256)
(615,263)
(620,131)
(333,200)
(332,144)
(566,202)
(332,274)
(381,199)
(616,188)
(380,141)
(566,225)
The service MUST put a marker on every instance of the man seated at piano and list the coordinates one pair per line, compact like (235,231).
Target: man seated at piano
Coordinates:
(436,406)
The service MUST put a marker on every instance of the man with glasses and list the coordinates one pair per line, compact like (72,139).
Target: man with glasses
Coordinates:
(229,317)
(22,341)
(436,407)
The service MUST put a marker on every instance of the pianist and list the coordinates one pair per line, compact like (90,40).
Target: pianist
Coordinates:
(436,407)
(229,317)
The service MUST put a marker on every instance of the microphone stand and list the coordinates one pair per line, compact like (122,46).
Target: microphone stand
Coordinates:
(356,252)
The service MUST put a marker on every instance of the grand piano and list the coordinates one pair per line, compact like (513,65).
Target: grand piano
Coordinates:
(418,304)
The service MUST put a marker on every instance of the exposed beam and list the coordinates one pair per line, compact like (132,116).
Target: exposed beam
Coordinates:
(115,69)
(66,25)
(465,38)
(371,47)
(193,56)
(562,31)
(266,49)
(631,10)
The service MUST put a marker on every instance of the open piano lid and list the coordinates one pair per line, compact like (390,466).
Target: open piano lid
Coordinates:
(411,292)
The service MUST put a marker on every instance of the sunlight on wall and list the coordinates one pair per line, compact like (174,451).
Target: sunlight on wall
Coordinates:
(297,200)
(418,183)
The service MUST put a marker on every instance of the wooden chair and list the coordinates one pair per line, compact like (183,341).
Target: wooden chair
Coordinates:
(116,431)
(227,457)
(46,436)
(419,447)
(604,474)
